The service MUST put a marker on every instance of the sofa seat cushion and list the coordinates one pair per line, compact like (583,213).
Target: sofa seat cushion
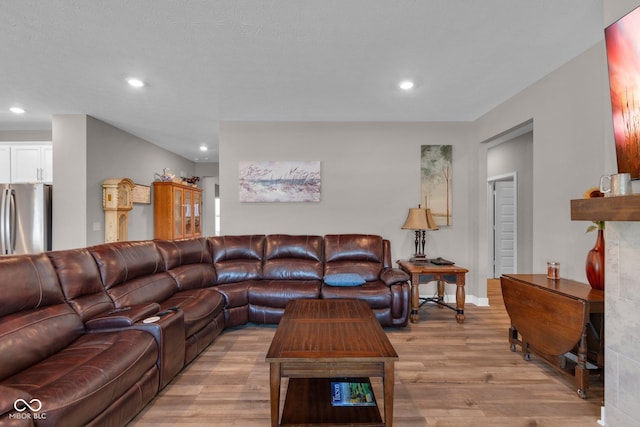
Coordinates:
(277,293)
(200,307)
(376,294)
(80,381)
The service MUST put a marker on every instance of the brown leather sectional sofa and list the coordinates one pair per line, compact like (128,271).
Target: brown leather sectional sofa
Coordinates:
(89,336)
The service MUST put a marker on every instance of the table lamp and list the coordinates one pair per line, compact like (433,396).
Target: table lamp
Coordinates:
(419,220)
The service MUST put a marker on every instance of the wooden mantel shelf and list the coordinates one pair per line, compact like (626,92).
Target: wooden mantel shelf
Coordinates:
(620,208)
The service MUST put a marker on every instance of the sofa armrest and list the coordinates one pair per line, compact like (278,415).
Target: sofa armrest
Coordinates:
(8,397)
(391,276)
(122,317)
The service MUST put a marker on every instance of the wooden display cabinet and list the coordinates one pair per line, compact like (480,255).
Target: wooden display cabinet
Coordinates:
(176,210)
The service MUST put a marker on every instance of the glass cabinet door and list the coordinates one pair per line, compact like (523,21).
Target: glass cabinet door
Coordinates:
(177,212)
(196,213)
(188,213)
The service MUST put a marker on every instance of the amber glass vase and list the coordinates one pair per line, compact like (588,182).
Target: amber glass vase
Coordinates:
(595,263)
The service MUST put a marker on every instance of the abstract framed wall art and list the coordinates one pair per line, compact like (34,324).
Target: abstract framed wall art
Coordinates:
(623,59)
(279,181)
(435,182)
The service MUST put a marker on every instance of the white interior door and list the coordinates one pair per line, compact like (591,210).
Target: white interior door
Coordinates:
(209,213)
(504,226)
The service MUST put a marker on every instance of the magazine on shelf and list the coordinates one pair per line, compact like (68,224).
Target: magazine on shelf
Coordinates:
(352,393)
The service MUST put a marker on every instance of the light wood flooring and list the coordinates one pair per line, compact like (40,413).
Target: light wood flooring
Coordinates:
(447,375)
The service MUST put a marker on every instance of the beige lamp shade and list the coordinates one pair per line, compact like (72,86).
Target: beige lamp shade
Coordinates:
(419,219)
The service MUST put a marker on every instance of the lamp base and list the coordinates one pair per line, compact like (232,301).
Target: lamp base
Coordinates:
(419,258)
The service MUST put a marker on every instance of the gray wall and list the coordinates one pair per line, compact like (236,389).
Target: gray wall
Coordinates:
(25,135)
(370,178)
(86,151)
(69,136)
(207,169)
(569,155)
(370,172)
(114,153)
(516,155)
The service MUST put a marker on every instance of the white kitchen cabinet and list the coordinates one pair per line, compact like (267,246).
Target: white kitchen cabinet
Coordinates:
(47,164)
(5,164)
(31,163)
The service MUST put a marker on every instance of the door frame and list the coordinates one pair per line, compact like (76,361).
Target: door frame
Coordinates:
(491,228)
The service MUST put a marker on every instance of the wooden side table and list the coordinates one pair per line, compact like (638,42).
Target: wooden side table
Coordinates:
(427,272)
(554,319)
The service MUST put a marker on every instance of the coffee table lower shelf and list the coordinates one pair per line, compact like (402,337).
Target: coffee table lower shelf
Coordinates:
(308,403)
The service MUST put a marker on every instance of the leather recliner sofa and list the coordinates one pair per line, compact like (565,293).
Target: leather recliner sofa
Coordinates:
(89,336)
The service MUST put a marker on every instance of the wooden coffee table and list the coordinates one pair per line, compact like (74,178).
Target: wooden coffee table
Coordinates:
(320,339)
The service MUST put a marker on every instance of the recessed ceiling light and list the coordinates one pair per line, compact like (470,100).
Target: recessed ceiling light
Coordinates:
(135,82)
(406,85)
(203,148)
(16,110)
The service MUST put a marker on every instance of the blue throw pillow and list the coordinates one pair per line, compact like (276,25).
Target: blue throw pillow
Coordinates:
(344,279)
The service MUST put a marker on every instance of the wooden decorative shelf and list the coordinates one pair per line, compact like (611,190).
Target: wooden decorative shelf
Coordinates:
(620,208)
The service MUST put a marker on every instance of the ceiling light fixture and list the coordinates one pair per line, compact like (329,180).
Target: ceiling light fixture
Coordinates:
(135,82)
(203,148)
(16,110)
(406,85)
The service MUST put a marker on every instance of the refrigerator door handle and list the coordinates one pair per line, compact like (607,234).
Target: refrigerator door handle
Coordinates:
(4,222)
(12,222)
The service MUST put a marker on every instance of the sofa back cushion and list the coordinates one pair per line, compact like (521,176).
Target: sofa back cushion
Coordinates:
(293,257)
(81,283)
(362,254)
(35,319)
(133,272)
(188,261)
(237,258)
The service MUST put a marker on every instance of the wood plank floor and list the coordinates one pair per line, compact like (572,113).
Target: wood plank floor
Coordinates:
(448,375)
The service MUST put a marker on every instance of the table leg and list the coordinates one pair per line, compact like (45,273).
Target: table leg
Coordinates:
(440,291)
(460,297)
(387,384)
(274,380)
(581,371)
(513,337)
(415,298)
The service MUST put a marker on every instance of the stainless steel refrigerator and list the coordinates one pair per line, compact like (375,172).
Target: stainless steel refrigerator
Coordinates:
(25,218)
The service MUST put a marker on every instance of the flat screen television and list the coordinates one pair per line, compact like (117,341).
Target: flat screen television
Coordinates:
(623,57)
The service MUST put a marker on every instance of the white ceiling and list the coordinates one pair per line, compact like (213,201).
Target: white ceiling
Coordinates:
(281,60)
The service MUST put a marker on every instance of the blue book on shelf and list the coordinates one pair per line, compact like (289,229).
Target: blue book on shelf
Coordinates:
(350,393)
